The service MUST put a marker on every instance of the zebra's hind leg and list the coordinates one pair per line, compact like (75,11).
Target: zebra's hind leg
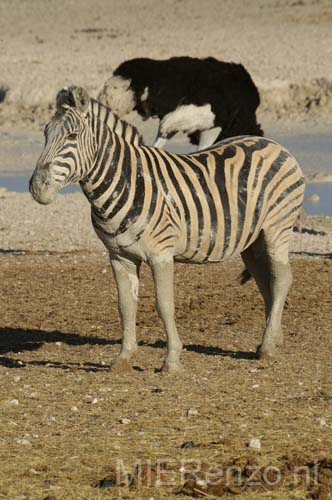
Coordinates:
(163,272)
(126,275)
(272,273)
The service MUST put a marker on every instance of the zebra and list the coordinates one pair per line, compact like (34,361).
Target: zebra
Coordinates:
(240,196)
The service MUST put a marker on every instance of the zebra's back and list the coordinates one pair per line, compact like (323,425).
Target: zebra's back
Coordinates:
(214,203)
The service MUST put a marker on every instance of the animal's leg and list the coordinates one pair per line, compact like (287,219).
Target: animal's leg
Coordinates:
(272,273)
(280,282)
(126,275)
(257,262)
(163,271)
(160,142)
(162,138)
(208,137)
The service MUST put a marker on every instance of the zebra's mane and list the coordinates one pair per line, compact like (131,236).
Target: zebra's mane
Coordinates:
(120,127)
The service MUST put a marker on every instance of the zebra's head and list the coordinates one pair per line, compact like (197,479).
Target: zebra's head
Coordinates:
(69,149)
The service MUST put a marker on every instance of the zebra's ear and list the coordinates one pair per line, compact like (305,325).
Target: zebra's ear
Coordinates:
(80,98)
(73,97)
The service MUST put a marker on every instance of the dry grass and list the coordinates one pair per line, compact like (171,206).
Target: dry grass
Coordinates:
(61,429)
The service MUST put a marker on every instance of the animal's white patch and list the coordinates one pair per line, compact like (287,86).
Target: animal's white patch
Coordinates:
(145,94)
(187,118)
(118,95)
(160,142)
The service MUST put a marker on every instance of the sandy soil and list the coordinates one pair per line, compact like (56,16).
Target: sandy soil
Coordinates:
(66,421)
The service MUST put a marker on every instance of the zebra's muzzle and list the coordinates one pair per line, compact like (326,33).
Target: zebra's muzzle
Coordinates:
(42,186)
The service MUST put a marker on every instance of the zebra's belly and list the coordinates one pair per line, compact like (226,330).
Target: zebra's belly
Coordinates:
(204,253)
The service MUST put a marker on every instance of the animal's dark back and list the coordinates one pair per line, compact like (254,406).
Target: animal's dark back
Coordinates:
(186,80)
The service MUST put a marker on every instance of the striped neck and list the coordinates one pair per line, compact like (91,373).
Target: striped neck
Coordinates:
(115,167)
(102,116)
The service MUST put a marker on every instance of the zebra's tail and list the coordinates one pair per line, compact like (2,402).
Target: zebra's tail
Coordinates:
(244,277)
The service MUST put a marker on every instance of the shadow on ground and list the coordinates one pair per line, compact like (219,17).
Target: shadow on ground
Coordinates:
(17,340)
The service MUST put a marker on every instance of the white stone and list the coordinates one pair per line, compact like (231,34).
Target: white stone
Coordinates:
(255,443)
(24,442)
(124,420)
(191,412)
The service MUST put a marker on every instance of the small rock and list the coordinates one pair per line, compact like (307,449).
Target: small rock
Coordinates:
(17,378)
(94,401)
(106,483)
(34,471)
(188,445)
(322,422)
(88,399)
(313,198)
(124,420)
(103,271)
(14,402)
(255,444)
(74,408)
(24,442)
(191,412)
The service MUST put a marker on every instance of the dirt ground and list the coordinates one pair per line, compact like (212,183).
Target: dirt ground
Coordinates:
(67,422)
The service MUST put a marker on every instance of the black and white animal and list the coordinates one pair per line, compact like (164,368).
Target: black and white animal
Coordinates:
(207,99)
(148,205)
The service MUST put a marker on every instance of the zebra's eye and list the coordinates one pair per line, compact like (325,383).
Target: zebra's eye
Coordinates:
(73,136)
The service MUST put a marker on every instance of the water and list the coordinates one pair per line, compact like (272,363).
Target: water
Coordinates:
(324,206)
(312,151)
(20,184)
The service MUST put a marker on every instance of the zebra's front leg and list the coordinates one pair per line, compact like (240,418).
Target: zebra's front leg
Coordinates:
(163,274)
(126,275)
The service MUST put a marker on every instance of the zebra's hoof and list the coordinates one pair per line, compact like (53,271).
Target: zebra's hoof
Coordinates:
(264,352)
(280,341)
(172,367)
(121,365)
